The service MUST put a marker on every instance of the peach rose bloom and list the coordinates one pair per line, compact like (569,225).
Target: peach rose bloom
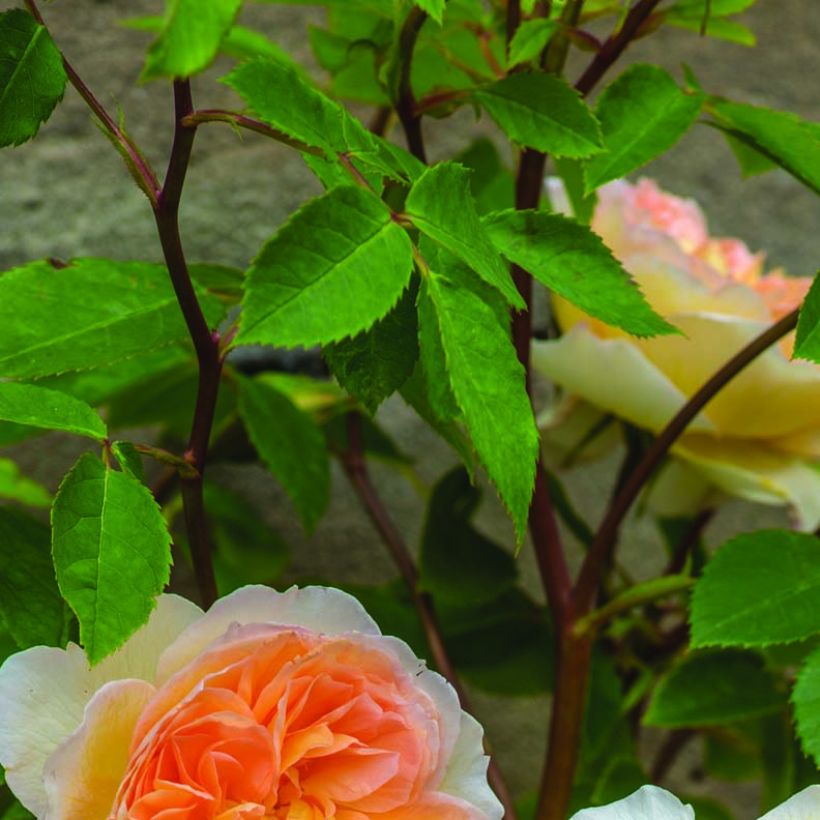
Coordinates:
(287,705)
(755,439)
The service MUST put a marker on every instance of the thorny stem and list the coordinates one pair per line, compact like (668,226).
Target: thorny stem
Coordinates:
(355,466)
(405,101)
(607,534)
(137,164)
(206,341)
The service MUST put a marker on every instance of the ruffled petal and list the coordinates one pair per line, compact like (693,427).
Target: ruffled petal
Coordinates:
(612,374)
(319,609)
(44,692)
(804,805)
(84,773)
(466,776)
(757,473)
(648,803)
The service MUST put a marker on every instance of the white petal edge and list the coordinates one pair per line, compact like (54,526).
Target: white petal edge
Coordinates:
(648,803)
(804,805)
(82,776)
(320,609)
(466,775)
(44,692)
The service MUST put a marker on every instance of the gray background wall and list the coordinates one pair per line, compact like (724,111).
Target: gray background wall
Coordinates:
(66,195)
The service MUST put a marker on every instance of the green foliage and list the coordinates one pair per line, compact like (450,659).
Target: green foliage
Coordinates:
(713,688)
(458,564)
(759,589)
(784,138)
(14,486)
(574,262)
(340,264)
(642,115)
(485,376)
(290,444)
(710,17)
(435,8)
(190,38)
(542,112)
(374,364)
(32,77)
(530,40)
(48,409)
(441,206)
(807,339)
(111,553)
(806,699)
(91,313)
(30,603)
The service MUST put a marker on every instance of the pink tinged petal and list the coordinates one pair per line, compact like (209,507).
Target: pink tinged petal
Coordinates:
(612,374)
(648,803)
(756,472)
(320,609)
(804,805)
(83,774)
(466,776)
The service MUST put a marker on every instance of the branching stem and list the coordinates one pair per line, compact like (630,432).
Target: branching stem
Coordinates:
(355,466)
(405,101)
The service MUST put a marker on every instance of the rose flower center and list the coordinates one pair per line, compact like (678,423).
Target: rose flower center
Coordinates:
(280,722)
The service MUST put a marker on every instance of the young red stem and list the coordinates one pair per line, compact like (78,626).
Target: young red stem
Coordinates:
(599,552)
(355,466)
(405,101)
(205,341)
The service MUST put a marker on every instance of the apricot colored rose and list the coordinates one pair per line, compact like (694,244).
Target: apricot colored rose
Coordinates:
(755,439)
(290,706)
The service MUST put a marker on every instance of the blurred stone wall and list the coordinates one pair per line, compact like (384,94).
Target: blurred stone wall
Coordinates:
(66,194)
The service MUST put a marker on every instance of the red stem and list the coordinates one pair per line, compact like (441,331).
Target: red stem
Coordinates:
(405,101)
(206,341)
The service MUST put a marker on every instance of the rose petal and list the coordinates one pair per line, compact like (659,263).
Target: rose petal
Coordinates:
(614,375)
(466,775)
(83,774)
(757,473)
(319,609)
(44,692)
(804,805)
(648,803)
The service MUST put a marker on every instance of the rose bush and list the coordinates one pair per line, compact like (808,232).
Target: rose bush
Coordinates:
(652,803)
(756,438)
(288,705)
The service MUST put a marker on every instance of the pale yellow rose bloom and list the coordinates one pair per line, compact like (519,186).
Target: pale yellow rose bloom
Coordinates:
(759,439)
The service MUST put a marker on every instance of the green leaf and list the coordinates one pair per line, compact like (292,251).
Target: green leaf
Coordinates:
(503,646)
(441,206)
(374,364)
(642,115)
(50,410)
(713,688)
(784,138)
(807,339)
(719,28)
(32,77)
(30,602)
(571,173)
(456,562)
(16,487)
(91,313)
(530,39)
(760,588)
(190,38)
(290,444)
(334,269)
(806,700)
(574,262)
(492,184)
(435,8)
(696,8)
(247,550)
(111,551)
(486,377)
(129,459)
(542,112)
(751,161)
